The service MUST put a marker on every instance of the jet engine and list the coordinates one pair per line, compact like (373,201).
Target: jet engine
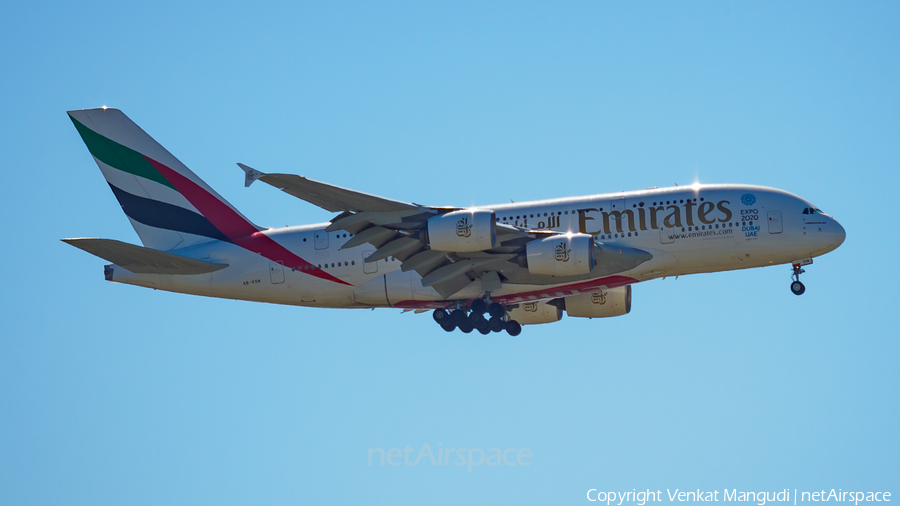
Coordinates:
(531,313)
(462,231)
(561,255)
(600,304)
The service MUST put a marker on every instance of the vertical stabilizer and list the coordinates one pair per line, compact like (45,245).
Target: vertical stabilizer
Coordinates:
(168,205)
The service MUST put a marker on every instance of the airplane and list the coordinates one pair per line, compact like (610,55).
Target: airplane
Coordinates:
(488,268)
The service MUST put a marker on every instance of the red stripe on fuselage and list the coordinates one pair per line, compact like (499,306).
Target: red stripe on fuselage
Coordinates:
(584,286)
(235,227)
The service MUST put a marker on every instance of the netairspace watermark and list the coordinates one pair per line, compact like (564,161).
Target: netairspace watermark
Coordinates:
(469,457)
(760,498)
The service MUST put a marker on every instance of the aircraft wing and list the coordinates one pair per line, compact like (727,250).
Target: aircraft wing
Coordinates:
(141,260)
(327,196)
(398,229)
(402,236)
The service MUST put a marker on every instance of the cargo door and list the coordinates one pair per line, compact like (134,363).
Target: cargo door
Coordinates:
(775,225)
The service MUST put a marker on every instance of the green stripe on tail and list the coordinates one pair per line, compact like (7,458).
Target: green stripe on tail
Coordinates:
(118,156)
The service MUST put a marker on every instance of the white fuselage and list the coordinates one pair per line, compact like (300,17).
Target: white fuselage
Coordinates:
(687,229)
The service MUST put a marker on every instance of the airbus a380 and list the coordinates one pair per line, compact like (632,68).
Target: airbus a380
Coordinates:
(485,268)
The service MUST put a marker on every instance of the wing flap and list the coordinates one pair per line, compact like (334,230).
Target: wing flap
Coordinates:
(141,260)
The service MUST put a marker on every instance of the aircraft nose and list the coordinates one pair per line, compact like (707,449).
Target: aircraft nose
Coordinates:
(839,233)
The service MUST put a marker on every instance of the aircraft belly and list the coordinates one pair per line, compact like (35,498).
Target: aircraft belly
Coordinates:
(406,286)
(662,264)
(371,293)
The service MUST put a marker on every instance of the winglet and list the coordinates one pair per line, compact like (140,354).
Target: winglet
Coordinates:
(250,174)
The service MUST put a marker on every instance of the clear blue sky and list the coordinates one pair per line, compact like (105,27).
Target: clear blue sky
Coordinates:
(111,394)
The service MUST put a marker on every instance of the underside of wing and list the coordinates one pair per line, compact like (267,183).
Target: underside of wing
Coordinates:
(407,237)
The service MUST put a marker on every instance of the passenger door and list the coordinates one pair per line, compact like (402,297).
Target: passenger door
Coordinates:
(775,225)
(617,204)
(276,272)
(321,239)
(369,267)
(666,234)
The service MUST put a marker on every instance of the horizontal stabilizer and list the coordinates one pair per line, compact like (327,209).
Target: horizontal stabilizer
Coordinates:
(142,260)
(329,197)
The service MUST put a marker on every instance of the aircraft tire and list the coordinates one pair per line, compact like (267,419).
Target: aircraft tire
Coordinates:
(496,310)
(448,326)
(478,306)
(466,327)
(797,288)
(513,328)
(496,324)
(440,315)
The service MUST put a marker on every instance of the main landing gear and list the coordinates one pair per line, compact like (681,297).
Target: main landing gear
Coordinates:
(474,319)
(796,286)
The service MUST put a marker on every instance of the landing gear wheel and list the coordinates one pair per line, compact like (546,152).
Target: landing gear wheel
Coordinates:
(483,326)
(466,327)
(797,287)
(484,330)
(496,324)
(496,310)
(513,328)
(478,306)
(457,316)
(440,315)
(448,326)
(476,318)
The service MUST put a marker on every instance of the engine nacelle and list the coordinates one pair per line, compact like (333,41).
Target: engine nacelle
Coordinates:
(532,313)
(463,231)
(561,255)
(600,303)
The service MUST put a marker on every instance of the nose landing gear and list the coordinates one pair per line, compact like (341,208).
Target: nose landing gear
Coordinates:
(797,287)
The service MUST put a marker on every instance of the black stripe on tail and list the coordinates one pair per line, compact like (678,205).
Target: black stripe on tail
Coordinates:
(166,216)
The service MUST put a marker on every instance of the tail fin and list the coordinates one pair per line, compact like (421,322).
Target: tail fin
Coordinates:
(168,205)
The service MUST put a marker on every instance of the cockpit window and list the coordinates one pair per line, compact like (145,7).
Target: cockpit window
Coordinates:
(812,210)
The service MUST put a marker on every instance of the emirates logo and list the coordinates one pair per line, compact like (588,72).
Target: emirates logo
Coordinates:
(463,229)
(530,307)
(598,297)
(562,253)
